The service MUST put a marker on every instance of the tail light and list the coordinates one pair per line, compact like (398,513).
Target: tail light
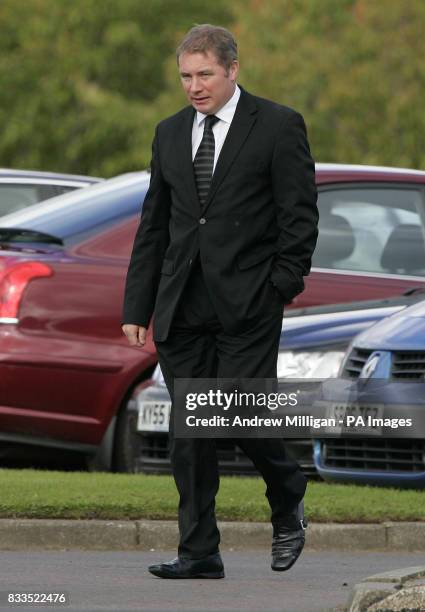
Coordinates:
(13,281)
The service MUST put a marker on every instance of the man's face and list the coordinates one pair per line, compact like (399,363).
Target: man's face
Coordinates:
(207,84)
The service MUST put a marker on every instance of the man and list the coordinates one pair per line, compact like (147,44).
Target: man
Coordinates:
(228,228)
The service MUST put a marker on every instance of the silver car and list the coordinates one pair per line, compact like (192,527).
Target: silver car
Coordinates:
(22,188)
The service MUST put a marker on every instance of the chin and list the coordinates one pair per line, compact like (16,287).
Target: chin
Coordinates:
(206,110)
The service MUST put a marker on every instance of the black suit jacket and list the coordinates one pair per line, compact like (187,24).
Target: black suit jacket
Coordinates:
(259,222)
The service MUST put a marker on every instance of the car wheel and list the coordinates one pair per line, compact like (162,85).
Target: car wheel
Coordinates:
(128,444)
(102,460)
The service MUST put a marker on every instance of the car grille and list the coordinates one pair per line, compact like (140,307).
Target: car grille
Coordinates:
(356,361)
(379,455)
(154,456)
(408,365)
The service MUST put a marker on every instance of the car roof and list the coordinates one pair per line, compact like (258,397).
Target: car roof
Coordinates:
(50,176)
(326,172)
(64,216)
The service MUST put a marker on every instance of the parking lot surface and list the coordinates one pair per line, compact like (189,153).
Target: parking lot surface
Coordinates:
(119,581)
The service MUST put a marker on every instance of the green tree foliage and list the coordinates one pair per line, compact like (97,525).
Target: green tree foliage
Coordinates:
(354,68)
(83,82)
(79,79)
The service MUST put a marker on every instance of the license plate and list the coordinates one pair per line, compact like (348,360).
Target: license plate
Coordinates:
(153,416)
(355,418)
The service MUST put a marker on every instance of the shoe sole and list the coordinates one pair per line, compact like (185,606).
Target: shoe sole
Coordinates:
(284,569)
(288,567)
(208,575)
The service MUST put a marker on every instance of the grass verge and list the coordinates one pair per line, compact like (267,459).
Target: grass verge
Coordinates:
(80,495)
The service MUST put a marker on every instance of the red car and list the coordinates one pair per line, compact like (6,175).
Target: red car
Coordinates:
(67,373)
(372,230)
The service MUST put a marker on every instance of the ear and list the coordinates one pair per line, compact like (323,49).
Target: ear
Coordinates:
(234,70)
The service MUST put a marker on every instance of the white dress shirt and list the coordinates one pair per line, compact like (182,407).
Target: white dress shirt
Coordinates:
(220,129)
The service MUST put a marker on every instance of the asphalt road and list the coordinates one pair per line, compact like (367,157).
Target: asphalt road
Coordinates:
(119,581)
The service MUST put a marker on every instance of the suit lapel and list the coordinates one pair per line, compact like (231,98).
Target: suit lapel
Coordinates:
(184,152)
(243,120)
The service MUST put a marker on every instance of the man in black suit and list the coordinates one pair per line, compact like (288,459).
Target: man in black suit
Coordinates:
(228,228)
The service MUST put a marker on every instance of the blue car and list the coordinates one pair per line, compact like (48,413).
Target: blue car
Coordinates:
(313,345)
(387,363)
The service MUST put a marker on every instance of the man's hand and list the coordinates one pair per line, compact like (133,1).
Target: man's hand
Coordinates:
(136,334)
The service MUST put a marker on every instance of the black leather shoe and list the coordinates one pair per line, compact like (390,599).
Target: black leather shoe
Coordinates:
(288,540)
(180,567)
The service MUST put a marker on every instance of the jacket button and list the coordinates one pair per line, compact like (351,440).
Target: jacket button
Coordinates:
(202,221)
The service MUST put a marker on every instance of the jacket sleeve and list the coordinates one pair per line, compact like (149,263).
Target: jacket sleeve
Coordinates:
(150,244)
(295,195)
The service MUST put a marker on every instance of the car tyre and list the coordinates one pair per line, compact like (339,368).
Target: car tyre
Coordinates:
(128,444)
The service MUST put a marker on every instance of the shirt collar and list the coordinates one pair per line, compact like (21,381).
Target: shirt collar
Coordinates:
(226,112)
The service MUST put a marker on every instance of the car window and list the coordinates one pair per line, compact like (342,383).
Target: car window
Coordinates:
(75,216)
(60,189)
(16,197)
(371,230)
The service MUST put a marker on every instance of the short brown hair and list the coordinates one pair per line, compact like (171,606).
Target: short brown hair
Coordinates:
(205,37)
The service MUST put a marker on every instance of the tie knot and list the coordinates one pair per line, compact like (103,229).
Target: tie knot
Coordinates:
(210,121)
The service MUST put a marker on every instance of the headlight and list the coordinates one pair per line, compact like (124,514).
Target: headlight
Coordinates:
(345,358)
(158,377)
(293,364)
(309,364)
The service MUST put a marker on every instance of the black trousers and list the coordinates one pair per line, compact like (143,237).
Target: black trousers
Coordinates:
(198,347)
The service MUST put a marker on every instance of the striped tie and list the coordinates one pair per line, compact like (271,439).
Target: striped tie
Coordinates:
(203,163)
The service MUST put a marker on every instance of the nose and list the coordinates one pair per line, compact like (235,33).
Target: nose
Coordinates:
(195,85)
